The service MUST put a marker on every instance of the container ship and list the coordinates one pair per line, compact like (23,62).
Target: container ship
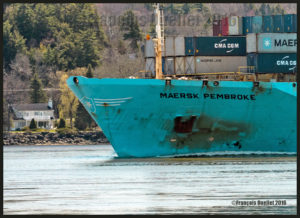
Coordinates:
(225,93)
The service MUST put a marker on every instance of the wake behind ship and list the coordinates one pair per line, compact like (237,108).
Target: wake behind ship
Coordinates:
(167,116)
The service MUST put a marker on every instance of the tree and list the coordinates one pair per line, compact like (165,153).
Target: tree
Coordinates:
(62,123)
(186,8)
(89,73)
(37,95)
(68,101)
(121,47)
(32,124)
(131,29)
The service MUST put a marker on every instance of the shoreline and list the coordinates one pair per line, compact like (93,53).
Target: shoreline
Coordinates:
(50,138)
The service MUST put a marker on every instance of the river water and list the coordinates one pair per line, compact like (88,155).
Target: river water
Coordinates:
(92,180)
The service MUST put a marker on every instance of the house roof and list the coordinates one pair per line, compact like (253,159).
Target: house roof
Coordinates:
(32,107)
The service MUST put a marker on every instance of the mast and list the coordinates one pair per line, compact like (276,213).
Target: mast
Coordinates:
(158,41)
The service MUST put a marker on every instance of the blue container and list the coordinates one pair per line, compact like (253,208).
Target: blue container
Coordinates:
(273,62)
(278,23)
(295,22)
(251,62)
(257,24)
(189,46)
(289,23)
(247,25)
(267,26)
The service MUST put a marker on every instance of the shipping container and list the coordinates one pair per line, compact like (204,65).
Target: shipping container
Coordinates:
(225,26)
(272,43)
(179,46)
(189,65)
(257,24)
(289,23)
(179,65)
(220,46)
(215,64)
(149,49)
(235,25)
(247,25)
(273,62)
(169,66)
(251,63)
(169,46)
(295,22)
(189,43)
(217,28)
(278,23)
(267,24)
(150,66)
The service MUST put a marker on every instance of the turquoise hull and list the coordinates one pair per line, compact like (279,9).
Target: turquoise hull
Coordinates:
(150,117)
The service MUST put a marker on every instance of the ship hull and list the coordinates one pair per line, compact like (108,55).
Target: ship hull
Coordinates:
(149,118)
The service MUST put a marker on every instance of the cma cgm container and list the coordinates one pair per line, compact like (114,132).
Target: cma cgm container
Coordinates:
(278,23)
(179,46)
(213,64)
(220,46)
(235,25)
(247,25)
(257,24)
(189,43)
(225,26)
(272,43)
(267,26)
(289,23)
(217,28)
(273,62)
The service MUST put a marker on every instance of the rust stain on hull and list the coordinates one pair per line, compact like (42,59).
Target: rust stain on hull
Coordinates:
(204,131)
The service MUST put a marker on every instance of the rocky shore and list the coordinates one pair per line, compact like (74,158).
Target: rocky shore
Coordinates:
(49,138)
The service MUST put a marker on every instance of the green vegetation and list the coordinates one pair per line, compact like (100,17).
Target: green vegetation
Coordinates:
(62,123)
(37,95)
(32,124)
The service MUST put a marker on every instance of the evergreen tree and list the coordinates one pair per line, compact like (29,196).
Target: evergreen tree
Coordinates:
(82,115)
(62,123)
(32,124)
(121,47)
(37,95)
(186,8)
(131,29)
(89,73)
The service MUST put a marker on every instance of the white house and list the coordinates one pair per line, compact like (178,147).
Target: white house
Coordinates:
(42,113)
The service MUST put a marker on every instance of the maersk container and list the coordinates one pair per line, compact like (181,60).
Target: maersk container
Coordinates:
(247,25)
(274,62)
(179,46)
(169,66)
(272,43)
(217,28)
(169,46)
(179,65)
(235,25)
(149,49)
(267,26)
(278,23)
(225,26)
(215,64)
(221,46)
(289,23)
(189,43)
(257,24)
(189,65)
(150,66)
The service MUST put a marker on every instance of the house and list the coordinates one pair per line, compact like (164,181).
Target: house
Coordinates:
(42,113)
